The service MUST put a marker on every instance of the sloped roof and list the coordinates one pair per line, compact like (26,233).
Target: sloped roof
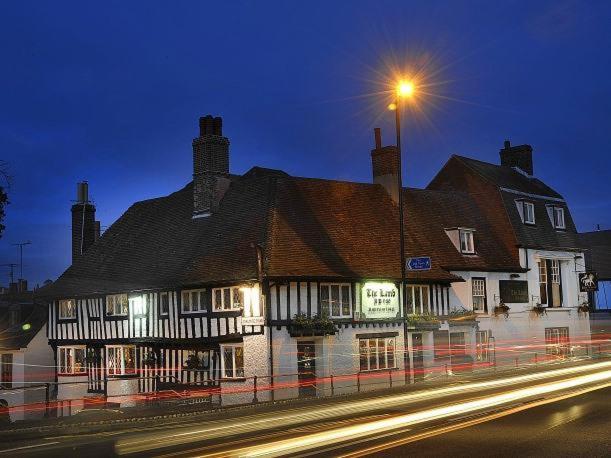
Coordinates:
(598,252)
(507,177)
(15,337)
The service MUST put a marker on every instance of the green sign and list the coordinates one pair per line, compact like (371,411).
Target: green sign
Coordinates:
(514,291)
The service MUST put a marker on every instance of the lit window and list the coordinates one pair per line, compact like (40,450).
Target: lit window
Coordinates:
(227,299)
(418,299)
(71,360)
(138,305)
(529,213)
(67,309)
(335,300)
(232,361)
(117,305)
(164,303)
(377,353)
(466,242)
(478,286)
(121,359)
(194,300)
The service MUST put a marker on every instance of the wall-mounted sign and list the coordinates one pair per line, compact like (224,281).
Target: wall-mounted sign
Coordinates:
(253,321)
(514,291)
(379,300)
(420,263)
(588,282)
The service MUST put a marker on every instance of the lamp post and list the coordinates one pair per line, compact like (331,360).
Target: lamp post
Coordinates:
(404,90)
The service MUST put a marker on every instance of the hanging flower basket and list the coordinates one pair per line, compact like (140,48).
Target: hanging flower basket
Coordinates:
(583,308)
(539,310)
(502,309)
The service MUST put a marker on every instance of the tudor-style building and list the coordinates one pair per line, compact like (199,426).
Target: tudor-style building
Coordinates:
(283,278)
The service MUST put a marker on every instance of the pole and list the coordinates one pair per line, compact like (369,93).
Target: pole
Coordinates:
(402,239)
(21,245)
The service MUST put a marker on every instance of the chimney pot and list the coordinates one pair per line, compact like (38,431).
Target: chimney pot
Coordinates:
(520,156)
(378,137)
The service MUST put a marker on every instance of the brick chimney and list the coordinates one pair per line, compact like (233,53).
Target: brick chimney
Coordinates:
(518,156)
(385,166)
(84,226)
(210,166)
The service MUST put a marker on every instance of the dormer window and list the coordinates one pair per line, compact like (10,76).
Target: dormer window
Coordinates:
(466,241)
(527,211)
(557,216)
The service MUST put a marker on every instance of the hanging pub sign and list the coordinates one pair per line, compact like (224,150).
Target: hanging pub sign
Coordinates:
(588,282)
(379,301)
(513,291)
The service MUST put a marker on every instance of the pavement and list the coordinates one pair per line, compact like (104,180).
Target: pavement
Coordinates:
(366,424)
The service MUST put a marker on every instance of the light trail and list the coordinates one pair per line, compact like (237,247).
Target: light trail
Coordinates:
(357,432)
(287,418)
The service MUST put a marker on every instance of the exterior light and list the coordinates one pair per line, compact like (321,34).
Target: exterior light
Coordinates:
(26,326)
(405,89)
(392,106)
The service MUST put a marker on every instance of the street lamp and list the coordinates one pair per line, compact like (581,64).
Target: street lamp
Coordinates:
(404,90)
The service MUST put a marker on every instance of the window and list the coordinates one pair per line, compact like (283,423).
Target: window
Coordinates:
(227,299)
(457,344)
(71,360)
(418,299)
(529,212)
(67,309)
(194,301)
(482,346)
(164,303)
(556,216)
(6,370)
(478,288)
(550,282)
(556,295)
(377,353)
(121,359)
(138,305)
(117,305)
(557,341)
(196,360)
(232,361)
(440,345)
(335,300)
(466,242)
(543,281)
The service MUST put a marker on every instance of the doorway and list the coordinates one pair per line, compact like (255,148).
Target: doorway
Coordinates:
(306,368)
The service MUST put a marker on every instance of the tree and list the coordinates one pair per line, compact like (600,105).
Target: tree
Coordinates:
(5,184)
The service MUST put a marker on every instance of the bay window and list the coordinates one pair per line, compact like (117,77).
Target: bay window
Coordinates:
(71,360)
(377,353)
(121,359)
(232,361)
(335,300)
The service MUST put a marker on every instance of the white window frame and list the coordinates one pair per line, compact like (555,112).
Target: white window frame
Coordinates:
(161,296)
(116,303)
(559,223)
(65,352)
(341,304)
(478,289)
(64,305)
(367,353)
(469,246)
(420,292)
(187,306)
(233,305)
(139,305)
(120,349)
(528,211)
(236,372)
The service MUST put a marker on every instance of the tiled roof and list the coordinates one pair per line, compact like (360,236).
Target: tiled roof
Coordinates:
(598,252)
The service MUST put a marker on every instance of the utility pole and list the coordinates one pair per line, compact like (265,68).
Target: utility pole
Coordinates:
(21,245)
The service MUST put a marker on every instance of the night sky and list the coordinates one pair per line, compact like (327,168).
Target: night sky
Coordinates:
(112,95)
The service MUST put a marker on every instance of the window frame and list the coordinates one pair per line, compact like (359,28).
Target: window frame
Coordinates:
(144,306)
(367,355)
(410,291)
(236,373)
(62,361)
(484,294)
(62,316)
(554,343)
(232,291)
(531,205)
(202,306)
(482,345)
(559,211)
(120,305)
(163,294)
(123,372)
(341,287)
(471,239)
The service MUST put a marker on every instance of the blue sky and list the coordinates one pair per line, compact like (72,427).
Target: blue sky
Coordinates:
(112,95)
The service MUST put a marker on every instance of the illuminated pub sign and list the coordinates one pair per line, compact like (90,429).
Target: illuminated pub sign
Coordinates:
(513,291)
(379,300)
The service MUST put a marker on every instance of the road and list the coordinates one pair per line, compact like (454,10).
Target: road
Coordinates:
(471,417)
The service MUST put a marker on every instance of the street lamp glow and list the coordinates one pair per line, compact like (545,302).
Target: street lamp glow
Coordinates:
(405,89)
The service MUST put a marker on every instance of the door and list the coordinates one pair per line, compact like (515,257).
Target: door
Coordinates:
(418,356)
(306,368)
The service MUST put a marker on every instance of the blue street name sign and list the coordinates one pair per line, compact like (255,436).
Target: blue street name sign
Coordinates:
(421,263)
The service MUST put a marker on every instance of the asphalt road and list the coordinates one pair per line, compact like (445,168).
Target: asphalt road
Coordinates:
(575,427)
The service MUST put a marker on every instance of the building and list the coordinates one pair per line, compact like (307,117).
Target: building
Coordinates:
(598,260)
(26,360)
(273,279)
